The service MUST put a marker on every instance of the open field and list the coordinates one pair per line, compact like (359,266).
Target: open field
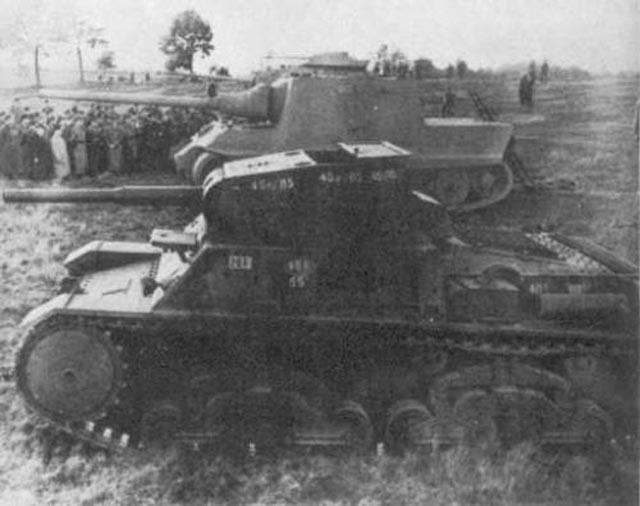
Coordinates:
(578,142)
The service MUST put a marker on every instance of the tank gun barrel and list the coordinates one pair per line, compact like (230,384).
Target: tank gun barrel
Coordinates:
(131,195)
(254,103)
(141,98)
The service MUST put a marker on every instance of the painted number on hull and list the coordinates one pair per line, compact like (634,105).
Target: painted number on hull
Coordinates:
(240,263)
(300,270)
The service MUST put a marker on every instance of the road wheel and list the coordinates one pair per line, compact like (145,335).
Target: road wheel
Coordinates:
(160,423)
(357,423)
(203,166)
(409,426)
(452,187)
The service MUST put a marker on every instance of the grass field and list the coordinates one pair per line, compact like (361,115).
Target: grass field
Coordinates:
(578,143)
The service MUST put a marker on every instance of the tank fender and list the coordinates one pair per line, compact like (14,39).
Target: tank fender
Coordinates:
(43,310)
(616,264)
(101,255)
(186,156)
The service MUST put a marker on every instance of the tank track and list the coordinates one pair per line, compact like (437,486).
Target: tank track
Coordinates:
(105,430)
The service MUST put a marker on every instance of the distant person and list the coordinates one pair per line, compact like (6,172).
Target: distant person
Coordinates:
(61,165)
(79,140)
(115,136)
(522,89)
(47,110)
(525,91)
(13,151)
(448,103)
(17,111)
(544,72)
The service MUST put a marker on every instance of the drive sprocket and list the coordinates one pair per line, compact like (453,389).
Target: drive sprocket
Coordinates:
(68,373)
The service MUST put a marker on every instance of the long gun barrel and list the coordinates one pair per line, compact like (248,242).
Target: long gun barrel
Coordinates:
(255,103)
(139,195)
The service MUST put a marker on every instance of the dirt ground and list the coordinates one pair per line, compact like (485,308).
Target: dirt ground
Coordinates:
(579,145)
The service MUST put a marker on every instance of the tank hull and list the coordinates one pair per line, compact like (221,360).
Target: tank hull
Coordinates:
(222,364)
(462,160)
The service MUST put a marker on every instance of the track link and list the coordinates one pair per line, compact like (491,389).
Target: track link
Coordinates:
(112,431)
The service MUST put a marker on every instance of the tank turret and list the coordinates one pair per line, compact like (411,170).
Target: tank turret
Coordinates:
(463,157)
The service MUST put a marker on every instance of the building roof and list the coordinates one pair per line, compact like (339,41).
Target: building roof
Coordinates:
(336,61)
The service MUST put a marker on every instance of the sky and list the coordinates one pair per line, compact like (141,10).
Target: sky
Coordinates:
(598,35)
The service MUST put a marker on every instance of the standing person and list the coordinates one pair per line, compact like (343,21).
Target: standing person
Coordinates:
(79,140)
(28,139)
(530,90)
(13,151)
(523,89)
(129,146)
(61,166)
(166,126)
(17,111)
(67,135)
(92,146)
(114,139)
(102,144)
(47,110)
(448,103)
(42,155)
(544,72)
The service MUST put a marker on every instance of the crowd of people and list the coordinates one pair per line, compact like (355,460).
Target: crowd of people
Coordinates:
(92,141)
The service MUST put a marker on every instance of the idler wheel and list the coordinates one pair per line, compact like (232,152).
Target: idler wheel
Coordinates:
(452,187)
(67,373)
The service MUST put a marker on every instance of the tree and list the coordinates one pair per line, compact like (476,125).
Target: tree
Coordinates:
(383,61)
(188,35)
(462,69)
(105,61)
(32,31)
(399,64)
(451,71)
(424,68)
(84,32)
(36,29)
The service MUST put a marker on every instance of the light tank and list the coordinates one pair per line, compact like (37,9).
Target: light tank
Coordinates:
(324,299)
(462,158)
